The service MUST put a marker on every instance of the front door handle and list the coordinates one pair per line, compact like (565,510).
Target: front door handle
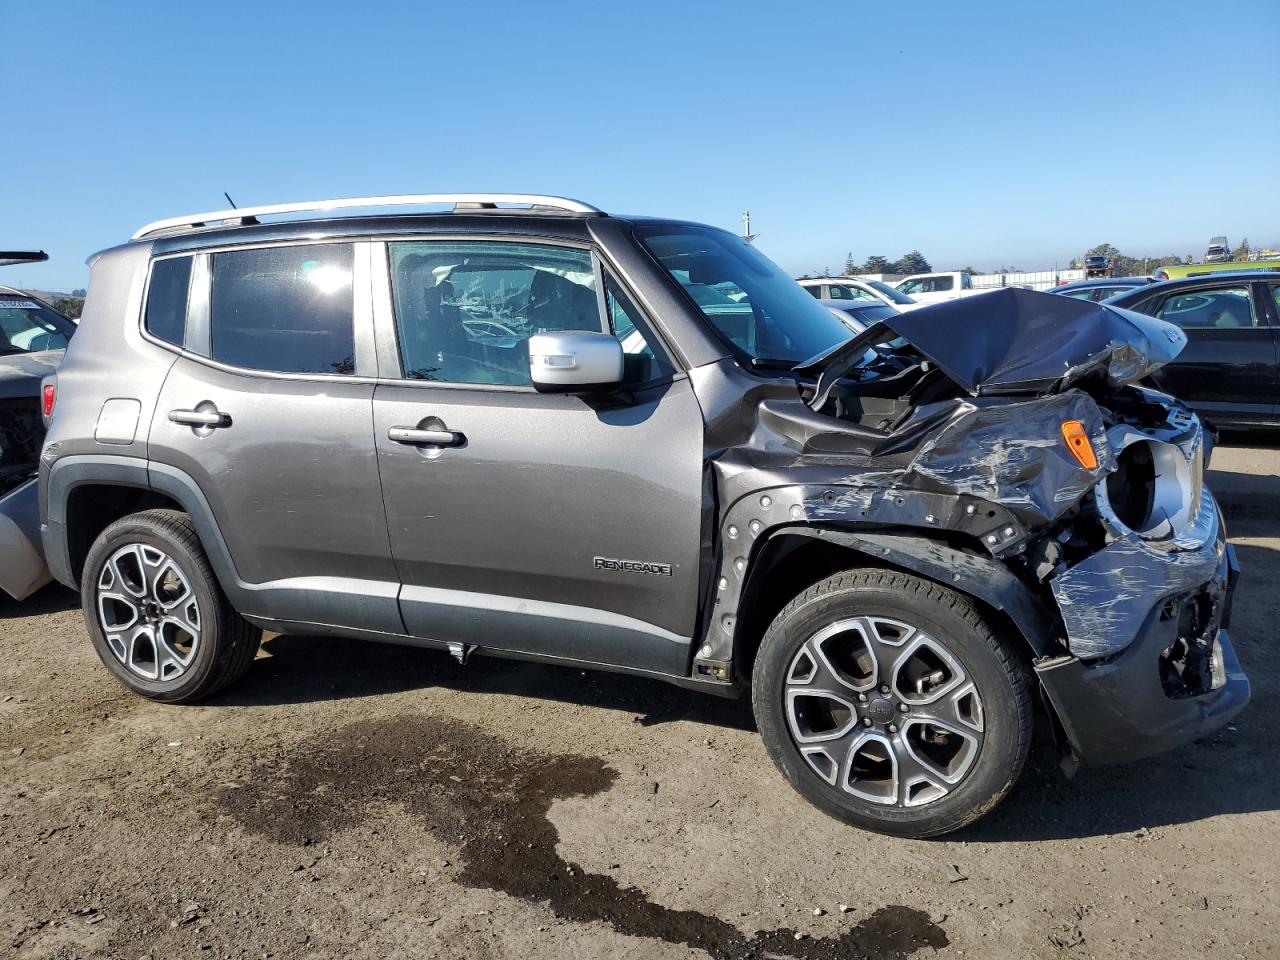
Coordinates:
(200,418)
(416,437)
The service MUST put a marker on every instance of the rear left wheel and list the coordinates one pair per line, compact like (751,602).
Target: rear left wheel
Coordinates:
(156,614)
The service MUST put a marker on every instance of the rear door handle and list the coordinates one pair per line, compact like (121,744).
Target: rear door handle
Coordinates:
(200,418)
(416,437)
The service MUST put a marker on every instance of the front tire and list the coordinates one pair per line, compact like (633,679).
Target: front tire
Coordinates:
(157,617)
(888,702)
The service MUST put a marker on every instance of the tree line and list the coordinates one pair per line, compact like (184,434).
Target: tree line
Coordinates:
(908,263)
(1123,265)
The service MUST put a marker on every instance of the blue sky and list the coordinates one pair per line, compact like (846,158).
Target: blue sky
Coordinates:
(980,133)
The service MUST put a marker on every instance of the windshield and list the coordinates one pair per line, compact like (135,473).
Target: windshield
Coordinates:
(745,297)
(893,293)
(27,326)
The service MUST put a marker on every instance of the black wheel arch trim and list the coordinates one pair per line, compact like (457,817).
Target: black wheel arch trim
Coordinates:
(984,578)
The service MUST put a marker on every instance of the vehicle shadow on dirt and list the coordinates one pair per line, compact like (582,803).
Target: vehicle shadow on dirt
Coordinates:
(54,598)
(302,669)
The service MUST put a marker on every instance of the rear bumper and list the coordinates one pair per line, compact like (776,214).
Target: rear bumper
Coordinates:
(1128,706)
(22,567)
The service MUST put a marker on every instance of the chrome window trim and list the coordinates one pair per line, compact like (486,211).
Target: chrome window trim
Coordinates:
(198,339)
(201,297)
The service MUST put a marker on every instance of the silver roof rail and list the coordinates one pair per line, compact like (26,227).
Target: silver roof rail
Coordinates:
(461,201)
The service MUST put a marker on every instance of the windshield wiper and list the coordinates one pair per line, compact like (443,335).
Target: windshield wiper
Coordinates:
(772,363)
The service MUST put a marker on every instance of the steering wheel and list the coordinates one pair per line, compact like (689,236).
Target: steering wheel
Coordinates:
(501,327)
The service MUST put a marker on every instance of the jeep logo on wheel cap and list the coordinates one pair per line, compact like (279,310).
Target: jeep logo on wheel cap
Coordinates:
(880,710)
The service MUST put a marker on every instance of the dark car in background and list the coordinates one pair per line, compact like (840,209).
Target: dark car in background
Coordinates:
(1098,290)
(857,315)
(1097,266)
(1229,372)
(33,337)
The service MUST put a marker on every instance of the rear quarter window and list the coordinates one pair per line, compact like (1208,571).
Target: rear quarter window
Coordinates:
(166,316)
(284,309)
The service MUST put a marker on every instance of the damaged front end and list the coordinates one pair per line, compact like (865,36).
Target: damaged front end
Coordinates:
(1149,660)
(999,445)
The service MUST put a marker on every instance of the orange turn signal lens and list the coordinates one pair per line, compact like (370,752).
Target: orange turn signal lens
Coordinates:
(1078,443)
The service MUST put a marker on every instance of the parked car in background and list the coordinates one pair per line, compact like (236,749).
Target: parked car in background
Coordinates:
(1219,251)
(33,337)
(1097,290)
(857,290)
(1178,271)
(1097,266)
(426,428)
(857,315)
(926,288)
(1229,372)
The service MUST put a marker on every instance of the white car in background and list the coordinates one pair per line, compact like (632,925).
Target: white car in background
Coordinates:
(926,288)
(853,289)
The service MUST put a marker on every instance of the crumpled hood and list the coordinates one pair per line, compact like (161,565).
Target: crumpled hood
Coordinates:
(1016,341)
(21,373)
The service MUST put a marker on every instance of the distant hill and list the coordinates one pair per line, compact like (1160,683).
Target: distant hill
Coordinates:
(48,296)
(67,303)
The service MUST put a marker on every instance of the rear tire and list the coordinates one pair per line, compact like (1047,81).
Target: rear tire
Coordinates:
(888,701)
(156,615)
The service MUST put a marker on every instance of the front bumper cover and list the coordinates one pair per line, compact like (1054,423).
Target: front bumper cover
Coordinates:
(1118,709)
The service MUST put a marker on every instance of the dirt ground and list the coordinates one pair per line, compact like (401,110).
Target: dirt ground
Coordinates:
(365,801)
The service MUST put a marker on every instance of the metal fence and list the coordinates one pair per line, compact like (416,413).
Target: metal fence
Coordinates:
(1029,280)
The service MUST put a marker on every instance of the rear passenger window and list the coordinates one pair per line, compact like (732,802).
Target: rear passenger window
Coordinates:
(166,317)
(285,309)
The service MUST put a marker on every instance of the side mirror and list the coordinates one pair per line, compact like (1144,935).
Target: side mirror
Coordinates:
(575,361)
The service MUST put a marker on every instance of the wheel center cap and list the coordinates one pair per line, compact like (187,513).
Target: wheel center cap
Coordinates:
(880,710)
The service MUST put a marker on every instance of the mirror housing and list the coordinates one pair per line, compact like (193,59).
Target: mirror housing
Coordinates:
(575,361)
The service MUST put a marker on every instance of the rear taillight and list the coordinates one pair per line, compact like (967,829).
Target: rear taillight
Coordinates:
(50,397)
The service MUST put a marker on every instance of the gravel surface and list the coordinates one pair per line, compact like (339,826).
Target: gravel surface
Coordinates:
(367,801)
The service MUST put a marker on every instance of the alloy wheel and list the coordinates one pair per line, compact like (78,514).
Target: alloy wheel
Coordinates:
(883,711)
(148,612)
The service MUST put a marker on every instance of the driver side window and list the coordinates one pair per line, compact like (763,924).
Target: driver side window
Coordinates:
(465,310)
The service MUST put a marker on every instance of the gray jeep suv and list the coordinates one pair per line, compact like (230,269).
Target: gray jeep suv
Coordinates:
(523,427)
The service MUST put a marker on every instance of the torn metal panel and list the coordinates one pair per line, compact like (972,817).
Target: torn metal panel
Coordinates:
(1019,341)
(1013,454)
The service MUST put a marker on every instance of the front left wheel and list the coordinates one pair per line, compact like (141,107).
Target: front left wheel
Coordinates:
(888,701)
(156,614)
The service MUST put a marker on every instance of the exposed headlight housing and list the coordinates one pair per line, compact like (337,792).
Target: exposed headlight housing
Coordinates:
(1155,488)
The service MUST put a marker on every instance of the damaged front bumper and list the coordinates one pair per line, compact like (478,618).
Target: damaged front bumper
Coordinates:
(22,567)
(1147,624)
